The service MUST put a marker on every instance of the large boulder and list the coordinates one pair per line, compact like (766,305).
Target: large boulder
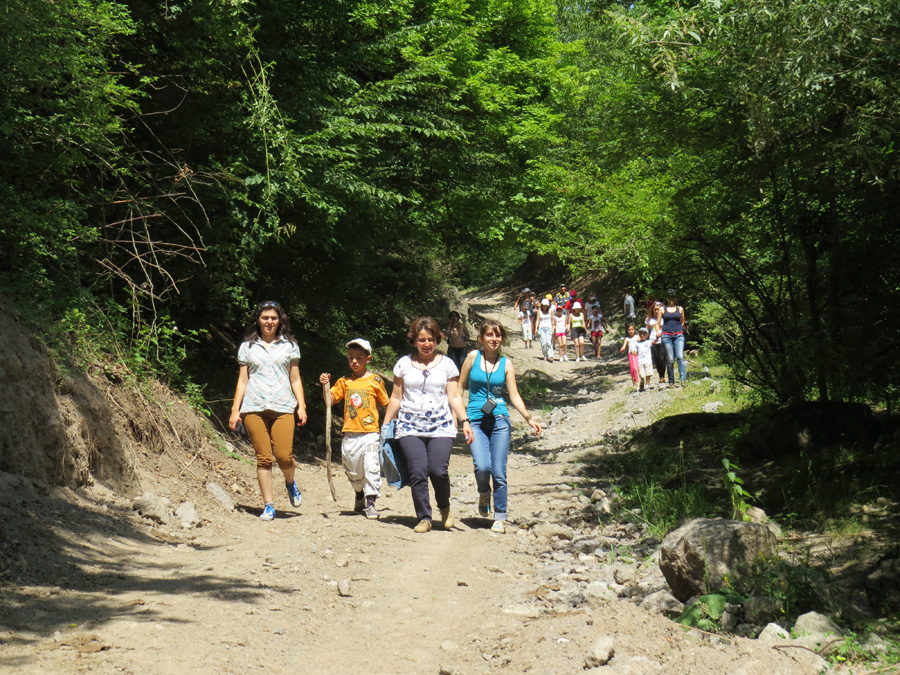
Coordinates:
(696,558)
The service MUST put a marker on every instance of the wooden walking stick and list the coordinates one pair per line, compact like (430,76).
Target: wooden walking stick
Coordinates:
(327,389)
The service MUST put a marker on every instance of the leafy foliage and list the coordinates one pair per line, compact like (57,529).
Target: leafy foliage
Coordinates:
(755,142)
(353,158)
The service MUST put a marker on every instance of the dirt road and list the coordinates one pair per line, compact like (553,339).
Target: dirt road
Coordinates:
(88,586)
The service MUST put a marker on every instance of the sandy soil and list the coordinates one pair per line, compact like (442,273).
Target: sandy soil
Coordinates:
(88,586)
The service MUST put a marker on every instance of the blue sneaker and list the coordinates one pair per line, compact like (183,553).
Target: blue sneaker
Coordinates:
(268,512)
(294,494)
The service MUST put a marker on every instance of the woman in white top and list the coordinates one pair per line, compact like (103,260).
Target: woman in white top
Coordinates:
(268,396)
(545,329)
(656,349)
(425,398)
(559,331)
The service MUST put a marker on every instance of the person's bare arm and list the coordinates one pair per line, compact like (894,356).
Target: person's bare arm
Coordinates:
(297,388)
(466,371)
(393,406)
(240,390)
(516,399)
(456,405)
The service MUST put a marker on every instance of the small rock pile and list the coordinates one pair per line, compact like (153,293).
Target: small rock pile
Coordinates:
(595,564)
(161,510)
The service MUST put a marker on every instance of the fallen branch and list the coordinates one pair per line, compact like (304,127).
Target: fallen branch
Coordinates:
(706,632)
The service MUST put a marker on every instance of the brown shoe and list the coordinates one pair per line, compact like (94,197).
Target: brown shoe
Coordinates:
(423,526)
(447,518)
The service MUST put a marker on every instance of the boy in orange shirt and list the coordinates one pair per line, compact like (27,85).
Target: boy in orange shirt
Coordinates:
(362,392)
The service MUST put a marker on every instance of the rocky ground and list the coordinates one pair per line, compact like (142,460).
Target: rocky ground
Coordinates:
(88,585)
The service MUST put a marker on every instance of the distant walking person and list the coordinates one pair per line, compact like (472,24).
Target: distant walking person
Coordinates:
(268,398)
(545,329)
(590,304)
(424,400)
(630,344)
(457,339)
(523,301)
(559,331)
(485,374)
(630,316)
(595,319)
(578,329)
(525,323)
(657,350)
(561,298)
(672,318)
(534,312)
(644,358)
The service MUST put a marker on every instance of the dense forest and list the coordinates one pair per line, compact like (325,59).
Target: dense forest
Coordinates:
(167,164)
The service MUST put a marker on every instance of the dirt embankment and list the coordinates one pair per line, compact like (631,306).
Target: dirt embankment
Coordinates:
(72,427)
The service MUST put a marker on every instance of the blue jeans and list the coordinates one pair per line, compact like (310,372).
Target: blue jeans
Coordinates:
(490,448)
(546,336)
(674,346)
(457,355)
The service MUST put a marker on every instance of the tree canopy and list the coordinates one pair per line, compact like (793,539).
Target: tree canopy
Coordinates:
(167,164)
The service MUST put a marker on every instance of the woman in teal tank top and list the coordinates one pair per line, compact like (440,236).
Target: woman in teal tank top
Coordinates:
(484,375)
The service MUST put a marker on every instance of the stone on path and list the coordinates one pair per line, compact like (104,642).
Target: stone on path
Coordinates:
(813,630)
(601,652)
(773,632)
(187,514)
(550,530)
(698,556)
(662,602)
(152,507)
(221,496)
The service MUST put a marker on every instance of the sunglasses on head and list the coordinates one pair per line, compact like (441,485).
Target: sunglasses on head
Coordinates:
(268,304)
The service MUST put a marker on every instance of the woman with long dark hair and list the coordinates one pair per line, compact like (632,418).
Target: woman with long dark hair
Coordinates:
(671,315)
(269,397)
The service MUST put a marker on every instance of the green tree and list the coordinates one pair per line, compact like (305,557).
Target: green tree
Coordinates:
(756,145)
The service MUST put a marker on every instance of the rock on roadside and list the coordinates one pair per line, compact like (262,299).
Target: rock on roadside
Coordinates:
(152,507)
(700,554)
(221,496)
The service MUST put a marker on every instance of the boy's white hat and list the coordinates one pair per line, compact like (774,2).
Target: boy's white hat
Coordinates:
(362,344)
(643,329)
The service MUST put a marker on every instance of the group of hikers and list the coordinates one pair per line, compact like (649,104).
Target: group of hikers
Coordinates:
(426,407)
(421,415)
(555,318)
(657,343)
(653,342)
